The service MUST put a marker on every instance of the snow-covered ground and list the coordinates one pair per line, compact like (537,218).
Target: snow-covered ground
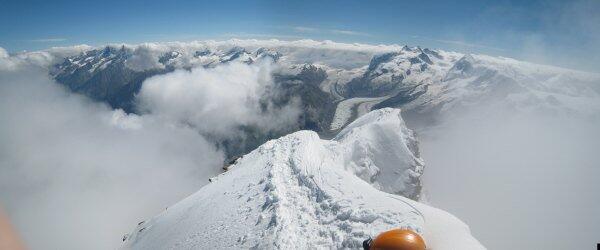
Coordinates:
(344,110)
(302,192)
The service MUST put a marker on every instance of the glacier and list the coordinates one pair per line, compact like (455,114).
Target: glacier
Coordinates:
(352,78)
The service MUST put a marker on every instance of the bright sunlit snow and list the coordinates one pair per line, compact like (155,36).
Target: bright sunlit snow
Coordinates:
(297,192)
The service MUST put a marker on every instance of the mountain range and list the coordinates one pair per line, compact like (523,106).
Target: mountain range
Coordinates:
(321,139)
(336,83)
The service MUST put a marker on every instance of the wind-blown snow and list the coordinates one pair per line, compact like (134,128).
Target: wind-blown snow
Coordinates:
(301,192)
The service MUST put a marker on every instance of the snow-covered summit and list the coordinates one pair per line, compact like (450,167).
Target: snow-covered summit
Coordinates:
(302,192)
(406,68)
(380,149)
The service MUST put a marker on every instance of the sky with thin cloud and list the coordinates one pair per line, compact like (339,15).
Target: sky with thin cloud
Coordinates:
(563,33)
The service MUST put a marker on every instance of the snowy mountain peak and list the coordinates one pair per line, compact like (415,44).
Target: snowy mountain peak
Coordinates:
(433,53)
(297,192)
(463,67)
(398,71)
(381,150)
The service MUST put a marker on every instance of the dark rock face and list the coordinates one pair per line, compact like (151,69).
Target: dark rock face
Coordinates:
(364,87)
(432,53)
(234,54)
(461,69)
(103,76)
(164,59)
(402,91)
(405,95)
(318,107)
(379,59)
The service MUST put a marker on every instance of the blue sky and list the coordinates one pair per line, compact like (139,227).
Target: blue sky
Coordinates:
(565,33)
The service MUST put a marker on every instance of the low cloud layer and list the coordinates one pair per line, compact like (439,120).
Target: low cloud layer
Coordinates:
(219,100)
(530,178)
(76,175)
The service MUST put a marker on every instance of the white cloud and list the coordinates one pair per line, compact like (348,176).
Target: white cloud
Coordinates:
(37,59)
(3,53)
(218,100)
(305,29)
(145,57)
(349,32)
(48,40)
(258,35)
(459,43)
(534,170)
(76,175)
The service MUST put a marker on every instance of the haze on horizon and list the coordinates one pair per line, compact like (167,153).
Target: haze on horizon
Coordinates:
(561,33)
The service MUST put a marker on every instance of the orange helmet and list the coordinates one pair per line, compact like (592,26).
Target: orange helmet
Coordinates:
(398,239)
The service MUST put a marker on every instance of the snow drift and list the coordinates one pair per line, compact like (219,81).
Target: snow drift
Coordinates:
(300,192)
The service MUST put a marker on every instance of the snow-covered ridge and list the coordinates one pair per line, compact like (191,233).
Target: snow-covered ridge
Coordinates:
(381,150)
(302,192)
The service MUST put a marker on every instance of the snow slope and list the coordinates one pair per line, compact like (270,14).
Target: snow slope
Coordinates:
(301,192)
(345,108)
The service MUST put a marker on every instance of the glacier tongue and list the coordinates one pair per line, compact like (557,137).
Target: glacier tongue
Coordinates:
(300,192)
